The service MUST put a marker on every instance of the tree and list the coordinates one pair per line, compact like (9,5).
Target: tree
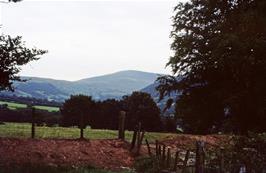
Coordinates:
(13,55)
(8,1)
(107,114)
(78,110)
(140,107)
(219,55)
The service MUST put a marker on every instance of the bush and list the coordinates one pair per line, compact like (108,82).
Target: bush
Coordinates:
(250,151)
(147,165)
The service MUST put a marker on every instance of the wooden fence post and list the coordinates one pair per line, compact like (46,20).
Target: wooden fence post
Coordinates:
(163,156)
(156,148)
(133,142)
(199,167)
(168,158)
(176,160)
(121,127)
(221,160)
(148,146)
(138,132)
(33,116)
(140,142)
(141,139)
(81,125)
(159,152)
(185,161)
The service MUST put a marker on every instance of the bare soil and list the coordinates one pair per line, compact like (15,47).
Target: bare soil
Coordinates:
(108,154)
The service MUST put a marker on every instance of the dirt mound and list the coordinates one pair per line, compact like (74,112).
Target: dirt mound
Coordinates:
(108,154)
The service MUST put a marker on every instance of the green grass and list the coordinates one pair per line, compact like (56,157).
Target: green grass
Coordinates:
(23,130)
(48,108)
(14,106)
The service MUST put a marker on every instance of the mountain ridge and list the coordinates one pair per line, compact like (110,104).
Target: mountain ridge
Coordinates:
(113,85)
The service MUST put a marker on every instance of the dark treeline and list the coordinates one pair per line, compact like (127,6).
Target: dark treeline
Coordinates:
(139,107)
(43,117)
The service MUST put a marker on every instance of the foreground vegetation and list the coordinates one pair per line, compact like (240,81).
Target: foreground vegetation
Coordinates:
(23,130)
(50,169)
(14,106)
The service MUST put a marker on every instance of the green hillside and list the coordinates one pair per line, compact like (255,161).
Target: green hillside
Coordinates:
(13,106)
(103,87)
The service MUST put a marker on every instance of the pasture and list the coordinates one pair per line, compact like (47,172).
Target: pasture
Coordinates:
(23,130)
(14,106)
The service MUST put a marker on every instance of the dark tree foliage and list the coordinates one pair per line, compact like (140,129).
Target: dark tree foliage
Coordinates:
(219,56)
(107,113)
(8,1)
(78,111)
(169,124)
(43,117)
(140,107)
(13,55)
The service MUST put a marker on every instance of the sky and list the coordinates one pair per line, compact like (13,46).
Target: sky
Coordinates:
(92,38)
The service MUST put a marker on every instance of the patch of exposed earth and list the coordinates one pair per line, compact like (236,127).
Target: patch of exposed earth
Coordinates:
(107,154)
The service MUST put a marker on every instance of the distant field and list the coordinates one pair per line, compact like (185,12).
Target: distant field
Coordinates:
(23,130)
(13,106)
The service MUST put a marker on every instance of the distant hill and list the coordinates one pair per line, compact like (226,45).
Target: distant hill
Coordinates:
(113,85)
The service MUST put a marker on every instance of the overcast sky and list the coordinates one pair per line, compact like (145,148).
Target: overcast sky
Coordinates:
(91,38)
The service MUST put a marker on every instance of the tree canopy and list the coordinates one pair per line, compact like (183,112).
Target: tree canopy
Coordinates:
(7,1)
(13,55)
(76,109)
(219,59)
(107,113)
(140,107)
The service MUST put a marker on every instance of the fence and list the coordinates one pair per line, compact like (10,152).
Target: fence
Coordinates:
(31,125)
(197,160)
(200,159)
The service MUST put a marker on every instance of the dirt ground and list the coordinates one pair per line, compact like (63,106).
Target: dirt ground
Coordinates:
(108,154)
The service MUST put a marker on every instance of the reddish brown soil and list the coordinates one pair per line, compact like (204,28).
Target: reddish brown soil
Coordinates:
(108,154)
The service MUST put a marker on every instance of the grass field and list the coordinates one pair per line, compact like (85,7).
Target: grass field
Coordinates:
(23,130)
(13,106)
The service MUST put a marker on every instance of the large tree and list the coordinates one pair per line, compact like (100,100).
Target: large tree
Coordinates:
(107,112)
(219,58)
(140,107)
(13,55)
(78,111)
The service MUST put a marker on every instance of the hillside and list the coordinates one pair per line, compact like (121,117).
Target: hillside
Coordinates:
(102,87)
